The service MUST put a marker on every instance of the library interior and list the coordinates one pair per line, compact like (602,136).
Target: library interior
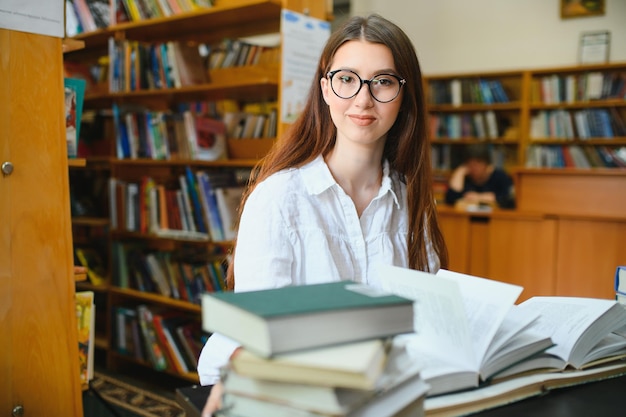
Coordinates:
(130,130)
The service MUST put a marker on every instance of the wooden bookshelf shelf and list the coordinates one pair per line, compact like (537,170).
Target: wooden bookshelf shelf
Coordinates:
(76,162)
(155,298)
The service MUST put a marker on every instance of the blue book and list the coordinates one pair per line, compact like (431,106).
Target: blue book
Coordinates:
(192,187)
(210,207)
(620,279)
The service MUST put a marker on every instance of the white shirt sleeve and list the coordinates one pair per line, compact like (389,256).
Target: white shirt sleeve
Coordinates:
(215,354)
(263,259)
(264,256)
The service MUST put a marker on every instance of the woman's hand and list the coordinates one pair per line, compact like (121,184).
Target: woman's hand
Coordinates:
(214,402)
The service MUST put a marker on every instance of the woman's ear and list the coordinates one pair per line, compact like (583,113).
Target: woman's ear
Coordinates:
(325,86)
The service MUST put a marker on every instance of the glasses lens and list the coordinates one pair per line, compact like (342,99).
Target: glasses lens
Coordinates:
(345,84)
(384,87)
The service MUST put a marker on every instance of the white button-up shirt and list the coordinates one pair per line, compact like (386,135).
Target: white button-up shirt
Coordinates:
(300,227)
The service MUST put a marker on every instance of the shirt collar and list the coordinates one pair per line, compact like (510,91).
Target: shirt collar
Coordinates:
(318,178)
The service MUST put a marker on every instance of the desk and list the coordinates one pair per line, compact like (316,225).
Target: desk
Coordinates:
(598,399)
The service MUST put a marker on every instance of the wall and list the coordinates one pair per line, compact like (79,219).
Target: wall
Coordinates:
(466,36)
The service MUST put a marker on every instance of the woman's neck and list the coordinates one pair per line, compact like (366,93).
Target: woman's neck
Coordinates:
(359,174)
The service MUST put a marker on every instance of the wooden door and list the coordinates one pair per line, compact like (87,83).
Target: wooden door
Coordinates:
(38,348)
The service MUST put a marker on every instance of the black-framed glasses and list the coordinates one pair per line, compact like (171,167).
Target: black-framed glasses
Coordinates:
(347,84)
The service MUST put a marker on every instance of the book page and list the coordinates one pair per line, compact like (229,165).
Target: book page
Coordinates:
(513,324)
(486,303)
(440,320)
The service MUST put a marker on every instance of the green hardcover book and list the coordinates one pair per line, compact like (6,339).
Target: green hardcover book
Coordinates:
(288,319)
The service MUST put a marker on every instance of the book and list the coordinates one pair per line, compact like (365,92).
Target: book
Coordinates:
(620,279)
(228,200)
(85,317)
(91,259)
(153,347)
(211,138)
(355,365)
(402,395)
(281,320)
(188,63)
(467,328)
(326,396)
(74,98)
(583,330)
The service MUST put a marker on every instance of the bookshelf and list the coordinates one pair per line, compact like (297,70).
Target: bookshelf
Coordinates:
(132,246)
(470,108)
(577,116)
(566,117)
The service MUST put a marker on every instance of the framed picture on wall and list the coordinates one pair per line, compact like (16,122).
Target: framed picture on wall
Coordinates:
(594,47)
(581,8)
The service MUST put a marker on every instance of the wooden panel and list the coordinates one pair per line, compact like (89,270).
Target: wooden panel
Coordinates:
(478,246)
(455,229)
(39,360)
(522,251)
(582,193)
(588,253)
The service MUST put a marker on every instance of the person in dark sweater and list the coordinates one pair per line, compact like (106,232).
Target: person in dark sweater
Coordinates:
(478,182)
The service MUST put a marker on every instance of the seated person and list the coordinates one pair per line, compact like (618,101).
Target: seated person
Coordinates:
(478,182)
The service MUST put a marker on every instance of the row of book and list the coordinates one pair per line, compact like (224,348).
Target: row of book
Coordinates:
(467,91)
(575,156)
(233,52)
(86,16)
(480,125)
(135,65)
(187,135)
(199,205)
(83,16)
(178,277)
(138,10)
(578,124)
(475,341)
(443,158)
(572,88)
(166,340)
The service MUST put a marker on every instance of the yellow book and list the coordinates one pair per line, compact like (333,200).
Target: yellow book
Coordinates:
(85,318)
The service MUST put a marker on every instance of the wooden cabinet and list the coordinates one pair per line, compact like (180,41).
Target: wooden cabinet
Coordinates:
(39,353)
(565,238)
(509,246)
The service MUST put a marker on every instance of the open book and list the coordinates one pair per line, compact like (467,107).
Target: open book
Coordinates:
(582,329)
(467,328)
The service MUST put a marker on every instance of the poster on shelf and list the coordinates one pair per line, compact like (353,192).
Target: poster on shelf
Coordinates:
(42,17)
(303,39)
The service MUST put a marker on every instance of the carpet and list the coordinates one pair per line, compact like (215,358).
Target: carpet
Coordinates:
(134,399)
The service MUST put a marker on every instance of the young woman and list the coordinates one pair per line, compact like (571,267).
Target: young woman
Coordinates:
(348,187)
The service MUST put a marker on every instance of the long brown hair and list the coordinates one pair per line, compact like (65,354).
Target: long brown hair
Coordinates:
(407,147)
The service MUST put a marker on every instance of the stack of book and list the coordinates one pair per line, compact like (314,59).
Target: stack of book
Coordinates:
(317,350)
